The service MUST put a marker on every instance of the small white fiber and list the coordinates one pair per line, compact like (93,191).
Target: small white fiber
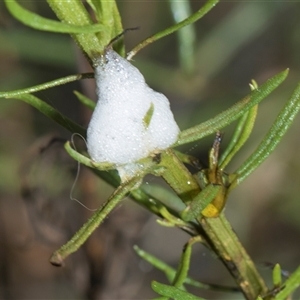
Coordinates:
(117,132)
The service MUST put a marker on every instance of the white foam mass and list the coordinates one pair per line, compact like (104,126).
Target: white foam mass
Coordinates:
(117,132)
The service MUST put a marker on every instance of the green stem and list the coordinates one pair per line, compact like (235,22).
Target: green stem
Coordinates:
(73,12)
(226,244)
(178,177)
(218,233)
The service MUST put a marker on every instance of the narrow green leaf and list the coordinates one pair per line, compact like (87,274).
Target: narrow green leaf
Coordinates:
(171,272)
(277,280)
(106,13)
(190,20)
(240,136)
(94,221)
(51,113)
(169,219)
(159,264)
(47,85)
(172,292)
(184,264)
(183,268)
(290,285)
(187,159)
(86,160)
(96,7)
(200,202)
(236,111)
(282,123)
(37,22)
(89,103)
(186,35)
(147,118)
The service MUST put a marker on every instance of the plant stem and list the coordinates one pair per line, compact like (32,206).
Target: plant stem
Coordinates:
(218,232)
(178,177)
(226,244)
(74,12)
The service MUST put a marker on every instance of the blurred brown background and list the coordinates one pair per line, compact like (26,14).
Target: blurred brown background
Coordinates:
(235,42)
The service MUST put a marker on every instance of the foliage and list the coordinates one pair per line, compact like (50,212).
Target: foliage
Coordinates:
(203,195)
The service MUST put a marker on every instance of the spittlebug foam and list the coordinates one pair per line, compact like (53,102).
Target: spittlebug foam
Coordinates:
(131,121)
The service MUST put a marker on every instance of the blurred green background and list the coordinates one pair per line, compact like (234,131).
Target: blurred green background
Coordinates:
(235,42)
